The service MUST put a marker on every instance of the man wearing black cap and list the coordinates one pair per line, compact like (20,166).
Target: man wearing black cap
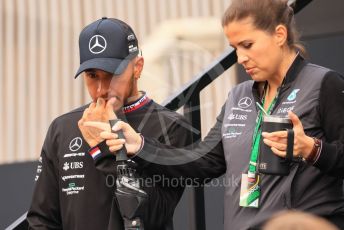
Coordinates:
(76,173)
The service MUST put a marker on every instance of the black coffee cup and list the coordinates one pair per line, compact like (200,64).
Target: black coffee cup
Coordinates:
(270,163)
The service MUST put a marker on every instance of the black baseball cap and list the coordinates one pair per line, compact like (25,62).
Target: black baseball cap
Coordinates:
(107,44)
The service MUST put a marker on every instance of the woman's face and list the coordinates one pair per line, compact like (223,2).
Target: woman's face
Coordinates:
(259,52)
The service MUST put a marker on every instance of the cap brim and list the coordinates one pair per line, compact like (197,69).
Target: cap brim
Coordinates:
(111,65)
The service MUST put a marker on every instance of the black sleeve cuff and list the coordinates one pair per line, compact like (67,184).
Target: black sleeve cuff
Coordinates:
(326,160)
(148,149)
(100,151)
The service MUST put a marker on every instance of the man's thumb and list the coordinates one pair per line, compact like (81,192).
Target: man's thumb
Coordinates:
(109,110)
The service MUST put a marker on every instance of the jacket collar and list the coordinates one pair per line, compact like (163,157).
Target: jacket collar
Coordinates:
(292,73)
(294,70)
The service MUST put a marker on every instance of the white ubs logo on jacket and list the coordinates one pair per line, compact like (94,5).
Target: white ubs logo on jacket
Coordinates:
(73,165)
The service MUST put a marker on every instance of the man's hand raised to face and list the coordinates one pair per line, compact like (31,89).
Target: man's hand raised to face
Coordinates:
(100,111)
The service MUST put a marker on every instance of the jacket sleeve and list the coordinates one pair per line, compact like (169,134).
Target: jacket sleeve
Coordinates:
(201,163)
(163,196)
(44,212)
(331,159)
(103,159)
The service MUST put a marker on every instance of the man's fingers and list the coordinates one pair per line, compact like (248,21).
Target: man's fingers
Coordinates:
(86,113)
(92,105)
(80,122)
(97,124)
(100,102)
(109,110)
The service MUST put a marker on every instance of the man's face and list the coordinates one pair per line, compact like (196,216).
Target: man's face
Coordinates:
(108,86)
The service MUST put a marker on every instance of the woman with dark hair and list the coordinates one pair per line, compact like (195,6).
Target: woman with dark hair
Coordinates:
(264,36)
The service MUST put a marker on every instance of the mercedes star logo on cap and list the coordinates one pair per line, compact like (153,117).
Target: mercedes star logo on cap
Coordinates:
(97,44)
(75,144)
(245,102)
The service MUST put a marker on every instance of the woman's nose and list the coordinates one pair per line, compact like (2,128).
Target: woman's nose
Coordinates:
(242,58)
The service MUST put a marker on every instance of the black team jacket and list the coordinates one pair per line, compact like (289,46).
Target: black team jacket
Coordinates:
(74,191)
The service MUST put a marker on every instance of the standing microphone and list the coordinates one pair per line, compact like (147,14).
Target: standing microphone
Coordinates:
(130,196)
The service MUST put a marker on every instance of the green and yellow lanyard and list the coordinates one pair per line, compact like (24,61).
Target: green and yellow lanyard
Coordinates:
(252,175)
